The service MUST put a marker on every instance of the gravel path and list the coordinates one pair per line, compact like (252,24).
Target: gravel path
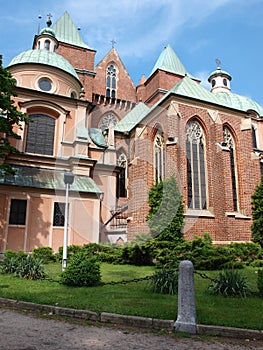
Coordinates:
(24,331)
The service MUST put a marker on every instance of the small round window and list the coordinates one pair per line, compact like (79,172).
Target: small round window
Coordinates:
(45,84)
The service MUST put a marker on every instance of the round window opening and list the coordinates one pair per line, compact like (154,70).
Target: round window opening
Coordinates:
(45,84)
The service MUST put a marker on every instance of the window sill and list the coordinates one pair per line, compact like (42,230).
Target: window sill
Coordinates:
(199,213)
(17,225)
(237,215)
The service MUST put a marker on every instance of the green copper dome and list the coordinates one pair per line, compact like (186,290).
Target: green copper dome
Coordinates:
(217,72)
(44,57)
(48,31)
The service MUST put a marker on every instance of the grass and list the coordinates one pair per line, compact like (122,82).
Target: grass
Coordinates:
(137,298)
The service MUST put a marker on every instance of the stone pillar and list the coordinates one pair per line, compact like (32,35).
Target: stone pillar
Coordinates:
(186,318)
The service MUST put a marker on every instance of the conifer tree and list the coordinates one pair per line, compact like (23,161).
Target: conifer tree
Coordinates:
(9,116)
(257,214)
(166,217)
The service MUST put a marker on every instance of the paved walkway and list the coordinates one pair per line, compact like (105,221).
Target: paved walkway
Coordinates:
(26,331)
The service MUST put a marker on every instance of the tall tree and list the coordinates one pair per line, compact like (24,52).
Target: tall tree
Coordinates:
(257,214)
(166,217)
(9,116)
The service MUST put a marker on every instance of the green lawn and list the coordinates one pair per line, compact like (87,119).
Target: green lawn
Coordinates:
(137,298)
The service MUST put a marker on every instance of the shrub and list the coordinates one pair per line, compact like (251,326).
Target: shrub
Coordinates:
(257,263)
(82,271)
(12,254)
(246,252)
(260,282)
(165,282)
(24,266)
(44,253)
(166,217)
(230,283)
(137,254)
(71,250)
(257,214)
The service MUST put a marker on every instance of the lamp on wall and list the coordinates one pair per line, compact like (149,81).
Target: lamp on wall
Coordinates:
(68,180)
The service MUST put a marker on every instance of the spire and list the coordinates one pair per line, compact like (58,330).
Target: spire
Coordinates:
(168,61)
(67,32)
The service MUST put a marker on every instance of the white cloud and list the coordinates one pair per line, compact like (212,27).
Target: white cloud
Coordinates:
(203,76)
(139,27)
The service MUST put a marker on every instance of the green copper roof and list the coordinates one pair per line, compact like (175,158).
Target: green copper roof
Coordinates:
(187,87)
(47,179)
(67,32)
(44,57)
(131,119)
(97,137)
(168,61)
(190,88)
(242,103)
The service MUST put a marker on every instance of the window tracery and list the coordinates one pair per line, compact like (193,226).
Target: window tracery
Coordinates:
(159,157)
(111,81)
(196,166)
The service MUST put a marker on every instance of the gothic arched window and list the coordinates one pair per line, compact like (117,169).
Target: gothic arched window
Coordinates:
(111,81)
(229,141)
(40,134)
(196,167)
(158,157)
(122,178)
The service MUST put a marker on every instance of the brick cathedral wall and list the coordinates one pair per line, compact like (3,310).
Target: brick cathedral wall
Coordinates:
(223,225)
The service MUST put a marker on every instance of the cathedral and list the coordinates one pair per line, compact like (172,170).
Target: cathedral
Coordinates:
(114,140)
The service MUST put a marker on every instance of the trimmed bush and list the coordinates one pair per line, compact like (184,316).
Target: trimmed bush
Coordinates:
(246,252)
(45,254)
(230,283)
(137,254)
(71,251)
(82,271)
(165,282)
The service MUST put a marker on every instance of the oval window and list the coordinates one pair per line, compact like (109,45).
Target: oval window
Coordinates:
(213,82)
(225,82)
(45,84)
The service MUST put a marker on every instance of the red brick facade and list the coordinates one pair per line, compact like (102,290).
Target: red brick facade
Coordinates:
(223,177)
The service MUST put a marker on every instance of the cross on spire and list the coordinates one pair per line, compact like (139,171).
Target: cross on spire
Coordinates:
(218,62)
(49,22)
(113,42)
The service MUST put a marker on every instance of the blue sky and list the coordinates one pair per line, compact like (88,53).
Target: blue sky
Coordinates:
(198,30)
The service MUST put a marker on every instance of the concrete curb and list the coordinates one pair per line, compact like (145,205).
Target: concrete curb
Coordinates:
(131,321)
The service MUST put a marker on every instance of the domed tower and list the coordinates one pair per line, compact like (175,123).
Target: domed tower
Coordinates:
(219,79)
(46,39)
(43,69)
